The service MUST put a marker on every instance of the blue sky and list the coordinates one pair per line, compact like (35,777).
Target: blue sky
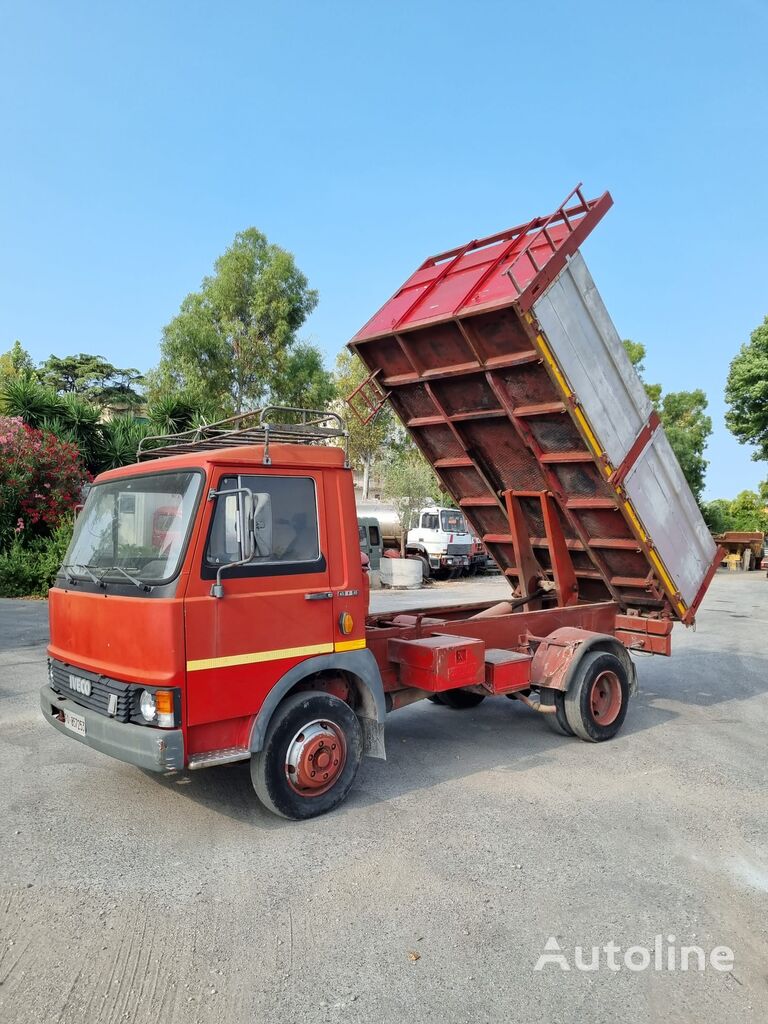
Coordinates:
(138,138)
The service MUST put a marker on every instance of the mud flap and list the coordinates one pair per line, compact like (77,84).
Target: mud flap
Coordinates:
(373,738)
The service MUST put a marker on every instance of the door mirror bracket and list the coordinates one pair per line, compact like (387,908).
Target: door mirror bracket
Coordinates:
(246,531)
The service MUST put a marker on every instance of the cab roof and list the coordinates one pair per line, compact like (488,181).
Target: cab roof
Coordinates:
(287,456)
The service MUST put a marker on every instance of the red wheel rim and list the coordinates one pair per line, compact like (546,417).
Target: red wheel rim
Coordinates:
(315,758)
(605,698)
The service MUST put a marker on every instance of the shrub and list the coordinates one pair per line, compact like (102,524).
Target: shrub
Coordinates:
(41,478)
(29,569)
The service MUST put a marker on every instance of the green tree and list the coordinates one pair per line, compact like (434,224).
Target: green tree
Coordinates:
(688,428)
(304,382)
(102,444)
(172,412)
(748,512)
(231,339)
(684,418)
(16,362)
(94,378)
(717,515)
(369,443)
(410,483)
(746,392)
(119,440)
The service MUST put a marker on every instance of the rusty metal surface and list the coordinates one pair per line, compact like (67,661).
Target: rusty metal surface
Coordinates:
(511,632)
(438,662)
(506,671)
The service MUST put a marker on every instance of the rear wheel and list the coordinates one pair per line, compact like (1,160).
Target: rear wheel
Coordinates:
(310,756)
(596,701)
(460,700)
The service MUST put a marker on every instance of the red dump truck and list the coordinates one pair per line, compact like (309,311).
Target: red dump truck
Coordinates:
(244,632)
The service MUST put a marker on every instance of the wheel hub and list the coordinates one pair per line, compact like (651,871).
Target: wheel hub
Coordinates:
(605,698)
(315,758)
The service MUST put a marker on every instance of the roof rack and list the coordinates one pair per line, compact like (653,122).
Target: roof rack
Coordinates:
(263,426)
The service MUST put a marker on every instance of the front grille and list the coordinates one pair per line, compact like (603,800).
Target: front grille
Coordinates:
(458,549)
(101,689)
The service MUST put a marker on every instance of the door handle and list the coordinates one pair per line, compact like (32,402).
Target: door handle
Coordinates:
(326,595)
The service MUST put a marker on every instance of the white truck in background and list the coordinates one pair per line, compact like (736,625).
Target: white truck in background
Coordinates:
(439,538)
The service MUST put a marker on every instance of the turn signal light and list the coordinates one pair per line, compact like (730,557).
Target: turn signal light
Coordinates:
(346,623)
(164,705)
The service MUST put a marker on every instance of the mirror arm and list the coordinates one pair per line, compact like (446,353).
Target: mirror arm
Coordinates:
(217,588)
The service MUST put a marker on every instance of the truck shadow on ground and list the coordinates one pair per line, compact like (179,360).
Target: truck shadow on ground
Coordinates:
(429,746)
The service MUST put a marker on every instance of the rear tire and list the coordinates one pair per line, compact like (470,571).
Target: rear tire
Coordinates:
(558,722)
(460,700)
(310,756)
(596,701)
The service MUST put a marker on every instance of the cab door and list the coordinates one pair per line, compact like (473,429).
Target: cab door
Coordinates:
(276,610)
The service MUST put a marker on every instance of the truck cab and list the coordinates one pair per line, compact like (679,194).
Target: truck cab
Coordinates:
(199,590)
(442,540)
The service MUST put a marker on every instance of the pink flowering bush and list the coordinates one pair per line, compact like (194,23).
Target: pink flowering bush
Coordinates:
(41,477)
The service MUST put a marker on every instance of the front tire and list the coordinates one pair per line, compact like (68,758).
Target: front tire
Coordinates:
(426,572)
(310,757)
(596,701)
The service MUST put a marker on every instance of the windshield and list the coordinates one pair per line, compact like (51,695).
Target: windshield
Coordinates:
(134,527)
(453,522)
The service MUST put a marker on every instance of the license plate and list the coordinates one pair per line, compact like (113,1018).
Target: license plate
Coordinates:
(74,722)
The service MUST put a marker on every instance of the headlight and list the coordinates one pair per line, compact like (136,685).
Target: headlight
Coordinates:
(50,672)
(147,706)
(157,706)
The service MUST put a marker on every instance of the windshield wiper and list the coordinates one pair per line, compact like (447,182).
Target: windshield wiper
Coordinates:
(134,579)
(79,565)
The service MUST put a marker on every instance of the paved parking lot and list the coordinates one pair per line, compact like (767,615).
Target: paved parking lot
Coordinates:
(430,894)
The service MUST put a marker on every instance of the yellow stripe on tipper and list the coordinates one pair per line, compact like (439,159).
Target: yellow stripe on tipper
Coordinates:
(254,658)
(546,352)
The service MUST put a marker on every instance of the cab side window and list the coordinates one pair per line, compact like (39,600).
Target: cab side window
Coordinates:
(429,521)
(283,516)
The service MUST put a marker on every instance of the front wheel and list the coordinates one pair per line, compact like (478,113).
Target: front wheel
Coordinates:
(310,756)
(596,700)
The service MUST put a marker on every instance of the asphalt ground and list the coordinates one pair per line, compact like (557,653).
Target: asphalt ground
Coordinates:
(430,894)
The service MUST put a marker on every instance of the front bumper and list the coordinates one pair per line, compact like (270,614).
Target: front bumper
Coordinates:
(157,750)
(448,561)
